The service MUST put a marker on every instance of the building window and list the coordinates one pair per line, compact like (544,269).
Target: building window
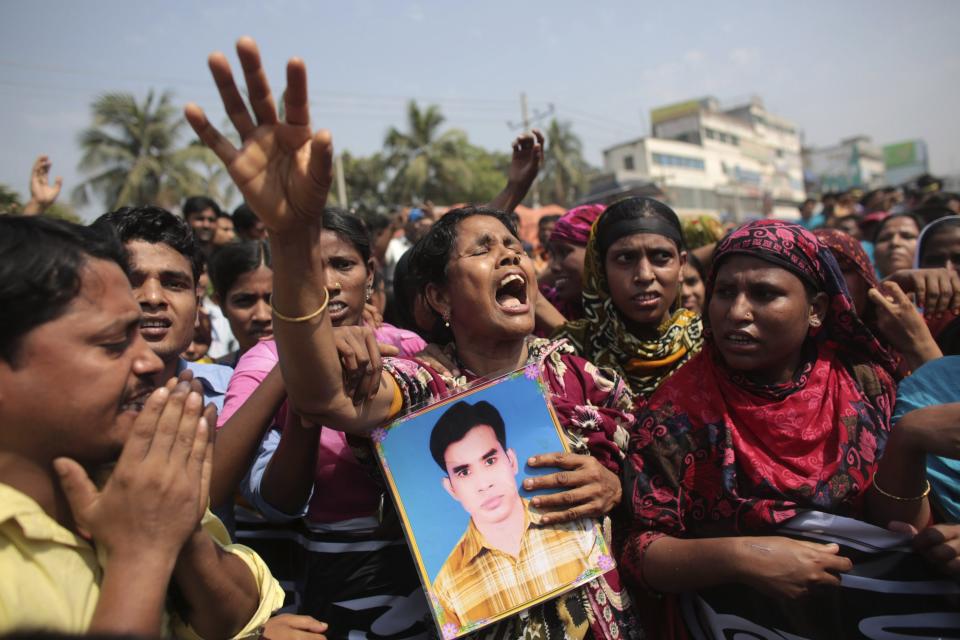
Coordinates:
(668,160)
(628,163)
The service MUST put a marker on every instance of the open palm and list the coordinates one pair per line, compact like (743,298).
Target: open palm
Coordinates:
(282,169)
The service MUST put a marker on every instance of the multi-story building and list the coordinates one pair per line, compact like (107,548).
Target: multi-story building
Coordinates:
(740,161)
(854,162)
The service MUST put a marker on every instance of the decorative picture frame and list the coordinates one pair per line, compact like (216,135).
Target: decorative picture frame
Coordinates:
(455,559)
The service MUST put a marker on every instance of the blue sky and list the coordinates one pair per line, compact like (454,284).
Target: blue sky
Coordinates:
(886,69)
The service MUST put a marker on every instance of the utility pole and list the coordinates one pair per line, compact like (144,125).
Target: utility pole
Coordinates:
(526,127)
(341,183)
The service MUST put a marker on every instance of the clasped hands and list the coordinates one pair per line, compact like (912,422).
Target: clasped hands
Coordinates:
(157,493)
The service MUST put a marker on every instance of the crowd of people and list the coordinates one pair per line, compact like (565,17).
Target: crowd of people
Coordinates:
(186,401)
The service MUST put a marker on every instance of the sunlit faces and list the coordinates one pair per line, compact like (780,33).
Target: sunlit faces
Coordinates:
(80,380)
(481,476)
(942,248)
(566,265)
(224,233)
(204,225)
(760,315)
(692,289)
(895,245)
(491,287)
(247,307)
(162,281)
(643,274)
(347,277)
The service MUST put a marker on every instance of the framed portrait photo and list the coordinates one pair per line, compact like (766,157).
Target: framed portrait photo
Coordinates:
(455,470)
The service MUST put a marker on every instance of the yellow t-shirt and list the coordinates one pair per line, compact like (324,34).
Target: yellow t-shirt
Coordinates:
(51,576)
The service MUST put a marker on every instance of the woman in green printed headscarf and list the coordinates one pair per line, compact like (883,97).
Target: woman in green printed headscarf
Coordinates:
(633,322)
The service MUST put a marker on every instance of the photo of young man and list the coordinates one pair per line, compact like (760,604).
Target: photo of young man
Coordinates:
(506,558)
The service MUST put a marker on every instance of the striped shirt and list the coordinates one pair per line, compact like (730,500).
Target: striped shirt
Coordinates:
(478,582)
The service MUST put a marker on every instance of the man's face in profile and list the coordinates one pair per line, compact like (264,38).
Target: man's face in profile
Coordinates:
(481,476)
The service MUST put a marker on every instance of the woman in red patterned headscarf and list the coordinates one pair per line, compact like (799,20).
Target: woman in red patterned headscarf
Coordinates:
(787,408)
(567,246)
(906,334)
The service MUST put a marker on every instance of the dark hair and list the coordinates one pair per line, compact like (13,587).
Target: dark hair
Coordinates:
(156,226)
(225,214)
(429,264)
(350,227)
(244,218)
(235,259)
(929,213)
(895,216)
(933,229)
(615,222)
(40,271)
(405,290)
(544,220)
(694,262)
(199,204)
(457,421)
(375,221)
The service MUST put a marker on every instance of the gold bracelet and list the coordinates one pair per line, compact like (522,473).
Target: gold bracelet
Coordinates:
(309,316)
(923,495)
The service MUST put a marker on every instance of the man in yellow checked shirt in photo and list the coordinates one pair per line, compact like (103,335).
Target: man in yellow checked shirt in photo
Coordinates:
(506,557)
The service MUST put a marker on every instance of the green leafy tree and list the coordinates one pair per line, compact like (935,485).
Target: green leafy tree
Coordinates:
(365,179)
(9,200)
(424,162)
(564,176)
(132,151)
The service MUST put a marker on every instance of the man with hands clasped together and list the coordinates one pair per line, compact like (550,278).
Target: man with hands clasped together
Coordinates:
(83,547)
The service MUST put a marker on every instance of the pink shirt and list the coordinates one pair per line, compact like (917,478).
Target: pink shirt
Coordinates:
(355,494)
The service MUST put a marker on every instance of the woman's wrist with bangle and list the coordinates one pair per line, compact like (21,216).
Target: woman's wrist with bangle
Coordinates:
(923,494)
(303,318)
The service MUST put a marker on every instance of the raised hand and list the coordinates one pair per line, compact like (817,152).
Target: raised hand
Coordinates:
(42,193)
(283,169)
(155,497)
(527,158)
(592,490)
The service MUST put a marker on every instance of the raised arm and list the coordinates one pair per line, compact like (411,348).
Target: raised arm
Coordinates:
(42,193)
(283,171)
(524,166)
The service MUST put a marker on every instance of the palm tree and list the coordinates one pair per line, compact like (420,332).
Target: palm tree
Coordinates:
(564,175)
(132,151)
(425,164)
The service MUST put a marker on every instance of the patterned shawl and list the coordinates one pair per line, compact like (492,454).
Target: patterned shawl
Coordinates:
(717,454)
(602,337)
(849,254)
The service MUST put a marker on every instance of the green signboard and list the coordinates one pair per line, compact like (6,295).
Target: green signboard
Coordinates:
(903,154)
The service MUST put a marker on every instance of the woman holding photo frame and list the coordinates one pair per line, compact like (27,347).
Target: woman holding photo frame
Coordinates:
(476,277)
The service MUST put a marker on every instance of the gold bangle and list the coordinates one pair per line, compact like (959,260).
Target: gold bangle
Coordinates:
(309,316)
(923,495)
